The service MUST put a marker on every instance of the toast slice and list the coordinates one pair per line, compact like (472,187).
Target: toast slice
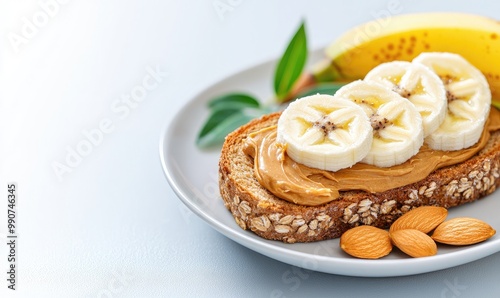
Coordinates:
(255,208)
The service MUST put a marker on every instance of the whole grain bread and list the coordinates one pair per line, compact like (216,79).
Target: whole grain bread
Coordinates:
(255,208)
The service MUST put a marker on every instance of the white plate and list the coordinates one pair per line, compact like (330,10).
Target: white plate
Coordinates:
(192,174)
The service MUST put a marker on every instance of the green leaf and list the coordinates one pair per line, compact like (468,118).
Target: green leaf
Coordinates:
(234,101)
(215,118)
(323,88)
(216,134)
(291,64)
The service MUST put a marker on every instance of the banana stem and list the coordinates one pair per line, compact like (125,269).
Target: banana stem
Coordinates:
(326,71)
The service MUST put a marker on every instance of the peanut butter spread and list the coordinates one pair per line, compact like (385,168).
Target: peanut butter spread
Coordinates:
(303,185)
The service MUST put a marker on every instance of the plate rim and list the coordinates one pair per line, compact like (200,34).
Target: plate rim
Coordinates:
(263,246)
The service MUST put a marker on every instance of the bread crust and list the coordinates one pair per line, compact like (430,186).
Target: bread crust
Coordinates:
(256,209)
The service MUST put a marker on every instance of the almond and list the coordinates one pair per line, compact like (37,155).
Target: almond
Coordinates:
(424,219)
(414,243)
(366,242)
(463,231)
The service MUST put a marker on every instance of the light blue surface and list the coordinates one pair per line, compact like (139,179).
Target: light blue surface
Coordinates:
(112,227)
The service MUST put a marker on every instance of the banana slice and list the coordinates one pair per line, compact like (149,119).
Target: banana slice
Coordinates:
(469,98)
(397,126)
(324,132)
(417,83)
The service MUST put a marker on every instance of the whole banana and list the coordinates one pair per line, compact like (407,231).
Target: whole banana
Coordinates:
(404,37)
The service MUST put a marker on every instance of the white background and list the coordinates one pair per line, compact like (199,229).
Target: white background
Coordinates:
(112,227)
